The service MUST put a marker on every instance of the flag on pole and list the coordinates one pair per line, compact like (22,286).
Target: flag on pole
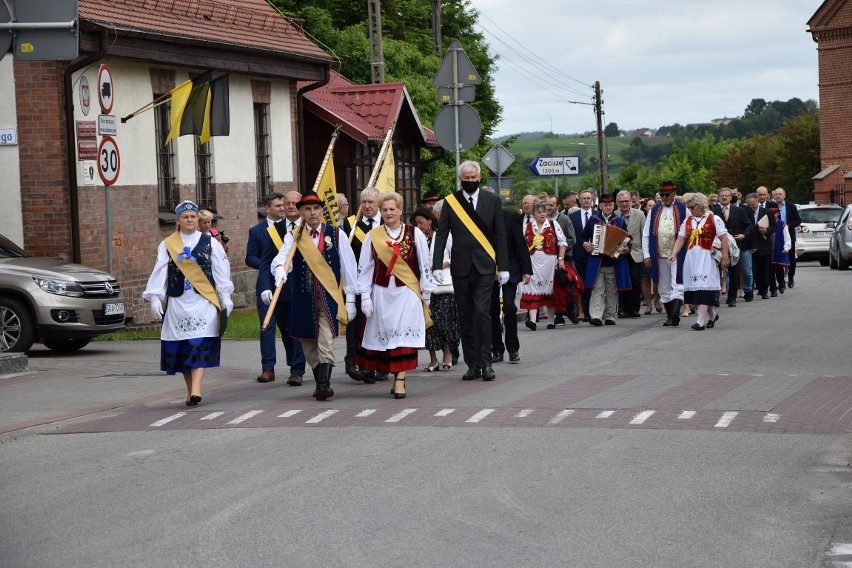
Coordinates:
(386,180)
(201,106)
(327,191)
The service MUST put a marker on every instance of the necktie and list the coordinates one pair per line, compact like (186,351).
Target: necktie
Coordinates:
(471,202)
(585,219)
(725,215)
(528,218)
(314,233)
(292,225)
(370,223)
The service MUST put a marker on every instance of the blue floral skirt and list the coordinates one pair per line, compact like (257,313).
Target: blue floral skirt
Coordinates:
(187,354)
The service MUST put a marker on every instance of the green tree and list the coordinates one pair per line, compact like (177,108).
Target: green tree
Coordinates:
(611,130)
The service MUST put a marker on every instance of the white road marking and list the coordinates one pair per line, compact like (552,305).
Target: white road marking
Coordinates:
(840,549)
(686,414)
(642,416)
(524,413)
(212,415)
(726,419)
(400,415)
(772,418)
(321,416)
(365,413)
(561,416)
(605,414)
(168,419)
(445,412)
(480,415)
(244,417)
(289,413)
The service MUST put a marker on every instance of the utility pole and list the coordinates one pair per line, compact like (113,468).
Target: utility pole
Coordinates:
(377,54)
(601,139)
(436,26)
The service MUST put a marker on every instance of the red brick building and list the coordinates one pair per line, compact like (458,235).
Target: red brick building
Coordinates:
(831,28)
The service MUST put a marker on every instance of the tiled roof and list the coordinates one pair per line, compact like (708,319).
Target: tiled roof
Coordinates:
(364,112)
(252,24)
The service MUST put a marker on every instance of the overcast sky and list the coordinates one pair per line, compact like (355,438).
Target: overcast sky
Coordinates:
(659,62)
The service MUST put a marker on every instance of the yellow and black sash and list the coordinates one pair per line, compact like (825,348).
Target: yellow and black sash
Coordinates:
(277,232)
(191,271)
(322,271)
(473,223)
(359,232)
(401,270)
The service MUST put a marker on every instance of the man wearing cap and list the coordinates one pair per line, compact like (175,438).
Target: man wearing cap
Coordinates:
(264,241)
(477,256)
(429,200)
(658,238)
(605,276)
(322,262)
(369,220)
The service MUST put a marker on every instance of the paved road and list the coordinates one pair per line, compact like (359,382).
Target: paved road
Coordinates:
(638,446)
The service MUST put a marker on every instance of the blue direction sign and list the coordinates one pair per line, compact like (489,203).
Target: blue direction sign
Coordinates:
(556,166)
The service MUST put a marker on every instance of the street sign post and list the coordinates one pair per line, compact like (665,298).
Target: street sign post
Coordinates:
(498,159)
(109,160)
(106,89)
(556,166)
(45,30)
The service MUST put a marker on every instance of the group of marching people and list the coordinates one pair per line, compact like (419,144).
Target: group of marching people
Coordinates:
(394,286)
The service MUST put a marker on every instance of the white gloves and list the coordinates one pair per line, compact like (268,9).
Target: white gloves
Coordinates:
(157,308)
(427,299)
(366,306)
(350,310)
(228,304)
(438,276)
(503,277)
(266,296)
(280,275)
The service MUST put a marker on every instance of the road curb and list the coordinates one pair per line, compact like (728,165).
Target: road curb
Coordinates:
(13,363)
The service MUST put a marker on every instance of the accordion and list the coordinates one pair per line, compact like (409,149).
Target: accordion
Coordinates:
(608,239)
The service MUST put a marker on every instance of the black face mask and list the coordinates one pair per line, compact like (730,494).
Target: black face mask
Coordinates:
(470,186)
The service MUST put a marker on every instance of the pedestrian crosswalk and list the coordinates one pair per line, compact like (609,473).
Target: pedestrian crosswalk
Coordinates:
(543,417)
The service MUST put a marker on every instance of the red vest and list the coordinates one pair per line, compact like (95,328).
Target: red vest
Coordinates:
(407,253)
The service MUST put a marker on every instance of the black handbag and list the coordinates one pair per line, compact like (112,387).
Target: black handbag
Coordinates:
(560,278)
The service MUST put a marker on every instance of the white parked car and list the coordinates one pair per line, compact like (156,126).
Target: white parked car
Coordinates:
(814,234)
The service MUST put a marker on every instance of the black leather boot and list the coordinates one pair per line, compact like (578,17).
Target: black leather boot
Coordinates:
(668,306)
(315,371)
(676,307)
(324,391)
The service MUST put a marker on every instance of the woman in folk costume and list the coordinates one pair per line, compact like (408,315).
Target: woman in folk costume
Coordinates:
(192,270)
(445,328)
(701,281)
(781,244)
(395,284)
(546,243)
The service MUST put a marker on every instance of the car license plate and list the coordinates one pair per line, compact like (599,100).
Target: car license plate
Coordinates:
(114,309)
(821,234)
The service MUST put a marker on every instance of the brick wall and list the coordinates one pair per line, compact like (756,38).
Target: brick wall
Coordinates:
(42,145)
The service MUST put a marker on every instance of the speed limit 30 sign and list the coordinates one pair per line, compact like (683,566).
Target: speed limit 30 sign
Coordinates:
(109,160)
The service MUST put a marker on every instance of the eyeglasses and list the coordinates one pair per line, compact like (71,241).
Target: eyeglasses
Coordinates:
(624,201)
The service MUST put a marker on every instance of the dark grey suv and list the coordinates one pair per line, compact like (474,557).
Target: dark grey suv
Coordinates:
(49,301)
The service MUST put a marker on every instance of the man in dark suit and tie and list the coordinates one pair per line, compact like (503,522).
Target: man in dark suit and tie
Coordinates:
(478,254)
(740,226)
(579,219)
(760,244)
(264,241)
(520,269)
(790,215)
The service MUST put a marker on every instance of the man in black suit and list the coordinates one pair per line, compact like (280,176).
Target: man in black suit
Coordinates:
(760,244)
(579,219)
(740,226)
(790,215)
(520,268)
(475,219)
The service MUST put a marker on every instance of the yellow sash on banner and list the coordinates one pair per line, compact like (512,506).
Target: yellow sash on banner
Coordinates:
(471,226)
(276,238)
(191,271)
(322,271)
(379,237)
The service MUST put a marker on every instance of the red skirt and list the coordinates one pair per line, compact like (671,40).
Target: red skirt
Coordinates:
(392,361)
